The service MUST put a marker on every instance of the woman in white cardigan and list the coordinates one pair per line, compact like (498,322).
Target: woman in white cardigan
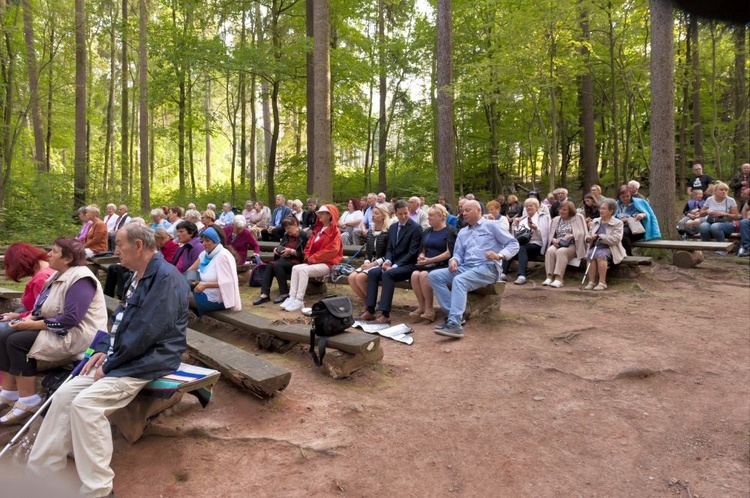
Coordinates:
(568,241)
(538,222)
(219,287)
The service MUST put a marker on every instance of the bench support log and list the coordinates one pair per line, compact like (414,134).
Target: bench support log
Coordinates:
(340,365)
(132,420)
(687,259)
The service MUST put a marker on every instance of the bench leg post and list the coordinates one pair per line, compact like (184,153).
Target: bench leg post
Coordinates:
(687,259)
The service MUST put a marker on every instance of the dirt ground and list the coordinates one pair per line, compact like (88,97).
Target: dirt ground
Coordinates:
(642,390)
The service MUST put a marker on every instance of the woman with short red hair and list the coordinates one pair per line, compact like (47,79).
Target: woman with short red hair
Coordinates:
(23,260)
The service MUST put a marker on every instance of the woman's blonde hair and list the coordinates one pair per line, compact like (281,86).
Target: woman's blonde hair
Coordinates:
(718,185)
(385,213)
(440,210)
(512,198)
(531,200)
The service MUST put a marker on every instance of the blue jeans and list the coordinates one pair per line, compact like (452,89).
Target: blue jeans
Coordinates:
(745,234)
(450,288)
(720,231)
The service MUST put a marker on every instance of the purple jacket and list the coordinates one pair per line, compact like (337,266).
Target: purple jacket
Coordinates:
(240,243)
(189,253)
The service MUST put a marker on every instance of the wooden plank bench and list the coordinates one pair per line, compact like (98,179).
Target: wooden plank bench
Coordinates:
(355,350)
(685,253)
(9,299)
(266,246)
(159,395)
(250,372)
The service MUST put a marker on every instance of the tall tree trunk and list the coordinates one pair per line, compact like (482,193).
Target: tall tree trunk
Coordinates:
(662,116)
(588,146)
(554,156)
(207,114)
(143,103)
(382,137)
(715,107)
(36,111)
(243,109)
(322,168)
(445,146)
(696,79)
(684,122)
(253,137)
(181,104)
(79,161)
(310,93)
(50,79)
(109,162)
(189,125)
(741,115)
(124,108)
(613,97)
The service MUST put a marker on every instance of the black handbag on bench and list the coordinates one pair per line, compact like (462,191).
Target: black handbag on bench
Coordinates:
(331,316)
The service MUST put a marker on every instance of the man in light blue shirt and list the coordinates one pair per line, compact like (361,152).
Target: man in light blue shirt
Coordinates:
(480,247)
(227,215)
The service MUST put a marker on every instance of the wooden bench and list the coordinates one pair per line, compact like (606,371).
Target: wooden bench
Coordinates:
(249,372)
(349,250)
(159,395)
(9,299)
(354,350)
(685,253)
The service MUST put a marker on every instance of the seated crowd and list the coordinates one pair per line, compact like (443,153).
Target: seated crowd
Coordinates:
(187,258)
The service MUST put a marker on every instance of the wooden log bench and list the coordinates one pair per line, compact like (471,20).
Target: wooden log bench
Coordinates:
(9,299)
(685,253)
(352,350)
(349,250)
(251,373)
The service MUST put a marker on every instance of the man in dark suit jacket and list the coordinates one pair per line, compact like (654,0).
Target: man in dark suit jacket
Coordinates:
(275,230)
(404,243)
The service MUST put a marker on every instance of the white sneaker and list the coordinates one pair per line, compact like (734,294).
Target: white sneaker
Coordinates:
(295,305)
(547,282)
(286,302)
(520,280)
(556,284)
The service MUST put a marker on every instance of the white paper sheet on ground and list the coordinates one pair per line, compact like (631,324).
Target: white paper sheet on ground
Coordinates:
(396,332)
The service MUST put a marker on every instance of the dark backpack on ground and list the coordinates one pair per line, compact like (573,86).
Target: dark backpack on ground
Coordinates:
(331,316)
(257,274)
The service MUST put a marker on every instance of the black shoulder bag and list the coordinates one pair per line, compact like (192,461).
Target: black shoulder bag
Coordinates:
(331,317)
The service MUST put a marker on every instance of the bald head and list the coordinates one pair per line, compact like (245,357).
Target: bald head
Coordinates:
(472,211)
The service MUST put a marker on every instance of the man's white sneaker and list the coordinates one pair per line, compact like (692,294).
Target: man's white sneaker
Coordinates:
(520,280)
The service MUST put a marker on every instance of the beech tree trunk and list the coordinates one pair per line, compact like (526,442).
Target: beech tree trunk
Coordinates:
(741,115)
(662,117)
(382,136)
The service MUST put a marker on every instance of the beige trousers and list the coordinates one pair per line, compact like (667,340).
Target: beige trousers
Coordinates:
(77,421)
(556,259)
(301,276)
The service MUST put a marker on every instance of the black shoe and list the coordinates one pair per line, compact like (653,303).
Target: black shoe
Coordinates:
(280,299)
(261,300)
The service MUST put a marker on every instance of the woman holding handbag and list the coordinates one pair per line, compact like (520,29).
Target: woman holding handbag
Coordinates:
(605,239)
(568,232)
(290,252)
(639,220)
(537,222)
(721,212)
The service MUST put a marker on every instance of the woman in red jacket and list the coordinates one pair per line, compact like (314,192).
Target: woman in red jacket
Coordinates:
(323,250)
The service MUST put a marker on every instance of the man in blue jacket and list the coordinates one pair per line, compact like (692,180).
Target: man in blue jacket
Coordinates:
(404,243)
(275,231)
(146,342)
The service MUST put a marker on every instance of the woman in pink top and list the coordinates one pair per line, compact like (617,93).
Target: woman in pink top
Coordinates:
(23,260)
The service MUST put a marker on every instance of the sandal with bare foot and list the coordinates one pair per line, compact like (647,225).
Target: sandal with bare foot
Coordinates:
(428,317)
(415,313)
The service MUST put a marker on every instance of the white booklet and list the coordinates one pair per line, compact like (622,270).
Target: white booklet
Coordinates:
(396,332)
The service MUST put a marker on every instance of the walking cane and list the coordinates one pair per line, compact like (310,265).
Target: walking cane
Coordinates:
(87,355)
(586,273)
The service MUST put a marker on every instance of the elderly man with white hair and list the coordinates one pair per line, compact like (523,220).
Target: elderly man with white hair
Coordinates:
(479,249)
(561,195)
(226,218)
(417,214)
(633,187)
